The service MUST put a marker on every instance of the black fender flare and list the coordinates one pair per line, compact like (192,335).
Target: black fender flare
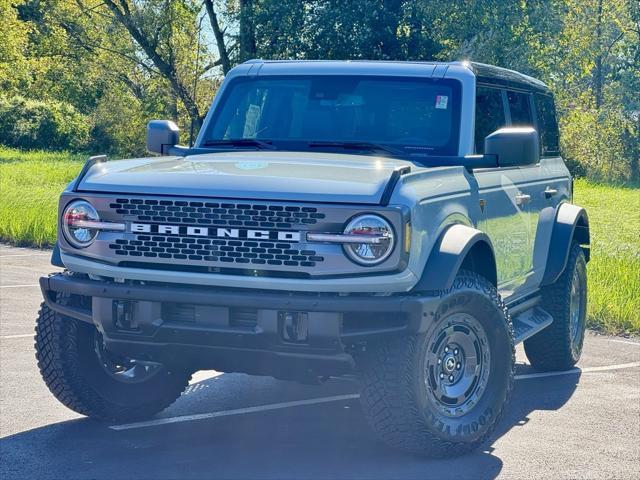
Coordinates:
(56,258)
(448,255)
(571,222)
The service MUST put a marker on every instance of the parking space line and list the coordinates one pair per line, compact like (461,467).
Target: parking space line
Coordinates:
(238,411)
(26,255)
(336,398)
(20,286)
(577,370)
(628,342)
(25,335)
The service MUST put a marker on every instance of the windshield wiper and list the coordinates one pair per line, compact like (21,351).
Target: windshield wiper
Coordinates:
(361,146)
(240,142)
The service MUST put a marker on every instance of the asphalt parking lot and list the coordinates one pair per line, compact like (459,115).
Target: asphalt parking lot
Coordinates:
(579,424)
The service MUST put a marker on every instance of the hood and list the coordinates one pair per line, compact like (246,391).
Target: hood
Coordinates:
(259,175)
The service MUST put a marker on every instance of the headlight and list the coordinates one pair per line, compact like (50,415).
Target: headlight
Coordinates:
(77,222)
(381,243)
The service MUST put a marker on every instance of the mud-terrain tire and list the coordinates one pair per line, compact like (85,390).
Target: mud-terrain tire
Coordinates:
(404,396)
(558,347)
(71,366)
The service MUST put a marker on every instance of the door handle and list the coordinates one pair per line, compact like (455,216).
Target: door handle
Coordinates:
(550,192)
(522,198)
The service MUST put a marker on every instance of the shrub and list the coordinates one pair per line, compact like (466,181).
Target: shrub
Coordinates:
(35,124)
(599,144)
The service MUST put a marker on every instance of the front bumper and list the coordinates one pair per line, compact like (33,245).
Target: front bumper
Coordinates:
(197,327)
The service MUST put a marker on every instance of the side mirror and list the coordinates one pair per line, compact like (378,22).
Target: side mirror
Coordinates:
(161,136)
(513,146)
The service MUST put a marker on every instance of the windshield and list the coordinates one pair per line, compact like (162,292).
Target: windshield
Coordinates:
(415,115)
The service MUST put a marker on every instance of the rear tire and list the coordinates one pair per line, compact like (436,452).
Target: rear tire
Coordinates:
(467,351)
(559,346)
(84,378)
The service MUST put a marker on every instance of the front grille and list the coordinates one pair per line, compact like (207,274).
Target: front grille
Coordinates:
(215,250)
(229,214)
(179,248)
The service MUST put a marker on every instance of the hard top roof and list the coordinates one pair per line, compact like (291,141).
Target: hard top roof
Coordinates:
(486,74)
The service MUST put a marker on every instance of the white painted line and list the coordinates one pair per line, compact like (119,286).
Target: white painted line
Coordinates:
(337,398)
(26,255)
(577,370)
(26,335)
(611,367)
(239,411)
(628,342)
(20,286)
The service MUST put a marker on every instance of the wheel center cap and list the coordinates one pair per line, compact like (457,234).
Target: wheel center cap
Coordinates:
(449,364)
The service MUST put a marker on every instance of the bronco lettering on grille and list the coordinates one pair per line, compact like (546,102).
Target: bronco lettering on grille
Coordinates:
(216,232)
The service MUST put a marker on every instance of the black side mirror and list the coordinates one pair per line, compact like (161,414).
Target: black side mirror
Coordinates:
(161,136)
(513,146)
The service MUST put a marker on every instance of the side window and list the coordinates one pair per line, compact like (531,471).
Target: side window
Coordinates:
(548,125)
(489,114)
(520,109)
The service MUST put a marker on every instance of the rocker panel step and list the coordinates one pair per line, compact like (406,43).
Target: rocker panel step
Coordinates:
(529,322)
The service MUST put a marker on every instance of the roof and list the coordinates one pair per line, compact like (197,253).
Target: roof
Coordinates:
(484,73)
(505,77)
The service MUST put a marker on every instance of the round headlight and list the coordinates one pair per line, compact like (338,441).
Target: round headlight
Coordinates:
(74,223)
(379,244)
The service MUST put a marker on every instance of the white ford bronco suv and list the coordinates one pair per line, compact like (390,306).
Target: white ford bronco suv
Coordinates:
(409,222)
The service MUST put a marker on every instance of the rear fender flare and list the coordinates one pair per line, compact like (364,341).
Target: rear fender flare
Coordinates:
(449,254)
(572,222)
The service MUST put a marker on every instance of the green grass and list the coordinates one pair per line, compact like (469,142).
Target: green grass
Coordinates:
(614,269)
(30,183)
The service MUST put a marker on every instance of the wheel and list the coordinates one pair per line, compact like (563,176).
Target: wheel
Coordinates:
(558,347)
(83,376)
(442,393)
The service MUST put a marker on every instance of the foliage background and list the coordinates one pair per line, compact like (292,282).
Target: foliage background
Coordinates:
(86,75)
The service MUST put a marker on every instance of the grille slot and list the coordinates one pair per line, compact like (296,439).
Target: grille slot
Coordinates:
(243,317)
(179,312)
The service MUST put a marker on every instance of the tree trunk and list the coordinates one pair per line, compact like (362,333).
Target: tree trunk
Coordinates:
(598,77)
(247,32)
(223,52)
(165,67)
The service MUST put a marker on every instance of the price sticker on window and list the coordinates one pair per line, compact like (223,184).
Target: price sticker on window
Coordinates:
(441,102)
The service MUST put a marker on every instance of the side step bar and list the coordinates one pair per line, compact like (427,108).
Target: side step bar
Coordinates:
(529,322)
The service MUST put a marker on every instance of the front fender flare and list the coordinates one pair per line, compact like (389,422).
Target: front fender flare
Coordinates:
(572,222)
(448,255)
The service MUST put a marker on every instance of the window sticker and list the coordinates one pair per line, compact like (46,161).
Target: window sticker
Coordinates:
(251,121)
(441,102)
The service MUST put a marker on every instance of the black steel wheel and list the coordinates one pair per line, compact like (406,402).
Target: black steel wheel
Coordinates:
(457,363)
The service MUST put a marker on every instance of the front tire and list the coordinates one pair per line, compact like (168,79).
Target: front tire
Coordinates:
(89,380)
(559,346)
(441,393)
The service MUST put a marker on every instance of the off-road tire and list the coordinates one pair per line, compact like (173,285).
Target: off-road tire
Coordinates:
(553,348)
(70,367)
(394,389)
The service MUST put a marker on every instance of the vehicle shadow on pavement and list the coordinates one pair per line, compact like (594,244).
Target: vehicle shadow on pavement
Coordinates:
(329,440)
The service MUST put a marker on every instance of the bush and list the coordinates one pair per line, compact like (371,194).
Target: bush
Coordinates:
(35,124)
(600,144)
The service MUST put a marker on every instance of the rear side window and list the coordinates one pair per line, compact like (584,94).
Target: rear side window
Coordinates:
(489,114)
(547,124)
(520,109)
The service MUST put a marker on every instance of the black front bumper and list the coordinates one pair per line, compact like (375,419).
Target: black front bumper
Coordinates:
(196,327)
